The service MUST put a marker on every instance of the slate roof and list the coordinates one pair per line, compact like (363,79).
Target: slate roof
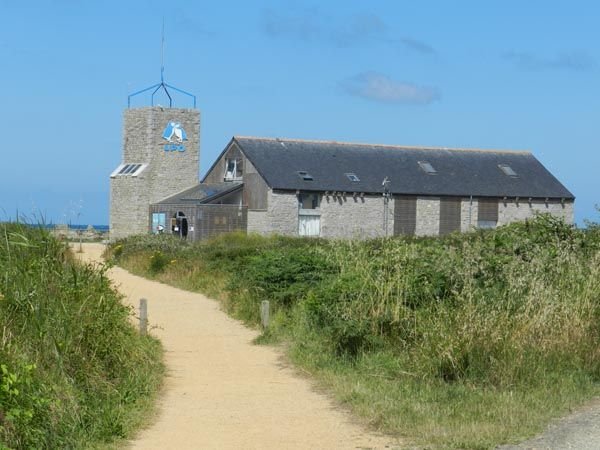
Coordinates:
(202,193)
(459,172)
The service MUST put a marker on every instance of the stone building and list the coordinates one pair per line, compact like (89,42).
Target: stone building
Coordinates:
(161,154)
(346,190)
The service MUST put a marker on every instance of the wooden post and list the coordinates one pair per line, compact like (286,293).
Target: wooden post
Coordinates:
(143,316)
(264,314)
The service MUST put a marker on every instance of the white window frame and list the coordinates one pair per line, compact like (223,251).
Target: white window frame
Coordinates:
(232,176)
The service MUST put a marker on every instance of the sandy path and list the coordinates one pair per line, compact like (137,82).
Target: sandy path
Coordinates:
(223,392)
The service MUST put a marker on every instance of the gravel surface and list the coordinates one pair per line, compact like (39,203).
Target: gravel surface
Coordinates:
(580,430)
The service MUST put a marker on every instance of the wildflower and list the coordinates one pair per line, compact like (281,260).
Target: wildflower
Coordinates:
(173,261)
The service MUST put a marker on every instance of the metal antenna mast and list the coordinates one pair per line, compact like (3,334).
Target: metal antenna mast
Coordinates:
(162,53)
(165,87)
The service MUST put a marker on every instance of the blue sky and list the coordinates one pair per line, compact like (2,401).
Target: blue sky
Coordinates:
(468,74)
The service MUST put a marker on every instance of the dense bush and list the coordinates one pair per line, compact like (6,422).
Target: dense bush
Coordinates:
(73,370)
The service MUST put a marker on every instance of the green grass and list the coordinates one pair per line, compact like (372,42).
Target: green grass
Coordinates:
(467,341)
(74,373)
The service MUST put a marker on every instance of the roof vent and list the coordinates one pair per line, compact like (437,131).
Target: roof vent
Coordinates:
(507,170)
(427,167)
(305,175)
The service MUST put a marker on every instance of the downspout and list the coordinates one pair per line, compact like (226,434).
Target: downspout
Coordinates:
(470,212)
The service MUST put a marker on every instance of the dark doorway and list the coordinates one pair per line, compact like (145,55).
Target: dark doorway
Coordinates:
(184,227)
(180,226)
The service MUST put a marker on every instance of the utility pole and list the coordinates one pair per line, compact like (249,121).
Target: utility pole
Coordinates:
(386,200)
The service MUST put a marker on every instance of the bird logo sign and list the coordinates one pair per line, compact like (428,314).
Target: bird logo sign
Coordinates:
(174,134)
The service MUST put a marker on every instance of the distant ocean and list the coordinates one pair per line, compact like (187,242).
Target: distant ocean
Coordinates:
(101,228)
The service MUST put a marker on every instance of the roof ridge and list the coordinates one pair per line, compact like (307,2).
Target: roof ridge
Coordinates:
(406,147)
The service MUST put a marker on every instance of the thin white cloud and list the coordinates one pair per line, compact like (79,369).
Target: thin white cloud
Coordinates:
(417,45)
(302,25)
(574,60)
(359,29)
(380,88)
(311,25)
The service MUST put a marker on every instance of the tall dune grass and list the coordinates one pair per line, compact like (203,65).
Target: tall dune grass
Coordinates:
(73,370)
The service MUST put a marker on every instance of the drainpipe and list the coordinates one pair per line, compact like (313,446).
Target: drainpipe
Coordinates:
(470,211)
(386,200)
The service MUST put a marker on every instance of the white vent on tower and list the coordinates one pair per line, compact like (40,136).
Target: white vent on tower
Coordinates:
(131,170)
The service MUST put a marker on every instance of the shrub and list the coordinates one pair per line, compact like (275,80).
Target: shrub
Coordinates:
(158,262)
(72,367)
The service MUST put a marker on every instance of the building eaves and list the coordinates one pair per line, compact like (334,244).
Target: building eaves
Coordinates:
(202,193)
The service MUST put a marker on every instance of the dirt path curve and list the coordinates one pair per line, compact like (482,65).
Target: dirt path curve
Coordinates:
(223,392)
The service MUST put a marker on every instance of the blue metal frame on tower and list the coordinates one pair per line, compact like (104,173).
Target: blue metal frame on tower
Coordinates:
(162,83)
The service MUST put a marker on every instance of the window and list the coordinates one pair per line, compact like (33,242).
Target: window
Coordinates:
(128,170)
(427,168)
(159,221)
(352,177)
(309,201)
(233,169)
(487,213)
(305,175)
(508,170)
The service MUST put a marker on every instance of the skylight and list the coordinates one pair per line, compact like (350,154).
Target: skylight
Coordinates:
(305,175)
(427,167)
(352,177)
(508,170)
(129,170)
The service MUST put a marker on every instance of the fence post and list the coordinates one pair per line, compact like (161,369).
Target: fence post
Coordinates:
(143,316)
(264,314)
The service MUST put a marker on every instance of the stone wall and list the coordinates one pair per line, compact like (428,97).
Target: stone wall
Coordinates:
(363,217)
(282,213)
(167,173)
(428,216)
(511,210)
(128,207)
(354,217)
(258,221)
(340,217)
(468,214)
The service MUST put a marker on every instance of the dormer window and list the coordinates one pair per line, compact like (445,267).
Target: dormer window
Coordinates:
(427,167)
(507,170)
(233,169)
(352,177)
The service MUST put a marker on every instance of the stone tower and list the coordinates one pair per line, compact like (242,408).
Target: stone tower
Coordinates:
(161,154)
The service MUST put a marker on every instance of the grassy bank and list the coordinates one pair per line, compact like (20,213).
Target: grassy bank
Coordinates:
(463,342)
(74,373)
